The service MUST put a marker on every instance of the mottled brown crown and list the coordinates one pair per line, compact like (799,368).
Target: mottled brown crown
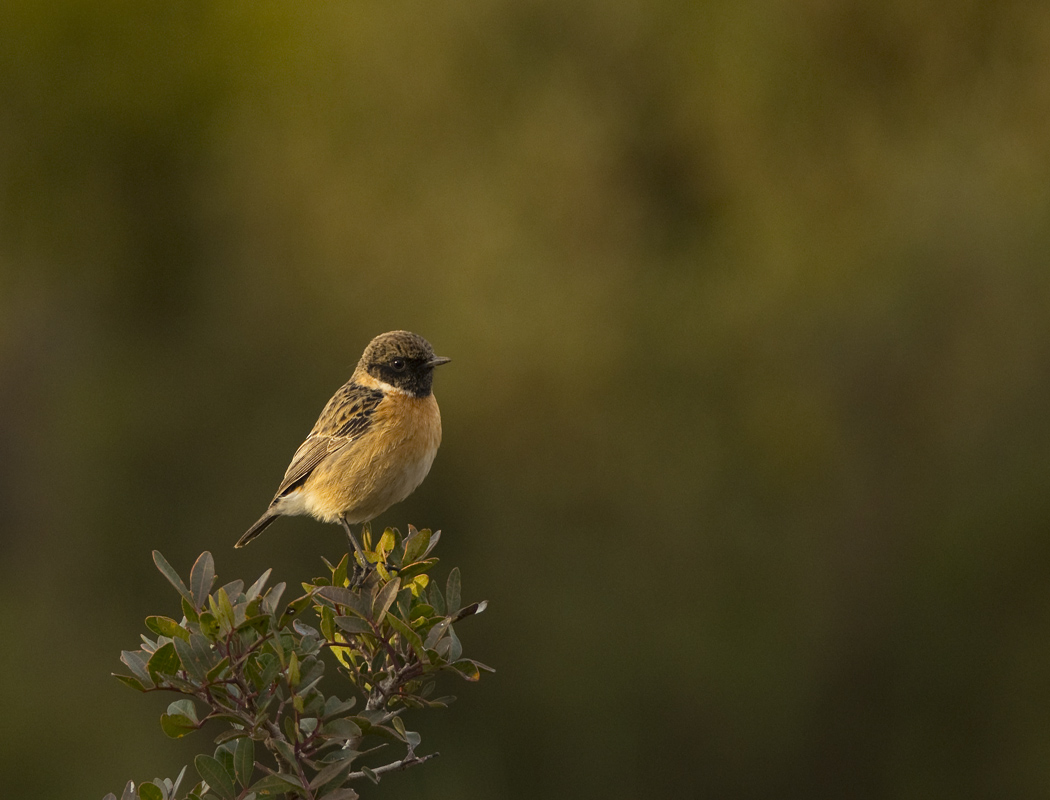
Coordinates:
(402,359)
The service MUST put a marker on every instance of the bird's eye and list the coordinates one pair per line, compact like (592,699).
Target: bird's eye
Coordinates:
(398,364)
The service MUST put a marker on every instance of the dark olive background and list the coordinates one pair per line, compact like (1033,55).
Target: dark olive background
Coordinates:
(746,427)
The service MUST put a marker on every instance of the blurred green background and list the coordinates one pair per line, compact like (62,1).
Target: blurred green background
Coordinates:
(746,430)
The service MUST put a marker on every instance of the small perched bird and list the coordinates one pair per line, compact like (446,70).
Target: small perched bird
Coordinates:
(373,443)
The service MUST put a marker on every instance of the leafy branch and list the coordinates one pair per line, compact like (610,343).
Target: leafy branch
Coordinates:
(240,658)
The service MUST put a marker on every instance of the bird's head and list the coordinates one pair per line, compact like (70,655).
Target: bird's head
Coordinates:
(403,360)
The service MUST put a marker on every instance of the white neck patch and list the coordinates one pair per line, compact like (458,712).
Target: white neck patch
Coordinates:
(388,388)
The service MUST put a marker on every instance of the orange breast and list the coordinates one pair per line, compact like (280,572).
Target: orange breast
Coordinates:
(383,467)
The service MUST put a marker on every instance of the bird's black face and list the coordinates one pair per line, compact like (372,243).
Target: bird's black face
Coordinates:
(404,360)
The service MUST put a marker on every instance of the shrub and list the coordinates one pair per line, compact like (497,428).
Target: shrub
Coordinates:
(242,659)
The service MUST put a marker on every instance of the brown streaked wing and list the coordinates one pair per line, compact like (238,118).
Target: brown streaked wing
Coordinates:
(349,411)
(345,418)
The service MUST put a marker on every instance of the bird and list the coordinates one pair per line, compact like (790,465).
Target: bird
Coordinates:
(372,445)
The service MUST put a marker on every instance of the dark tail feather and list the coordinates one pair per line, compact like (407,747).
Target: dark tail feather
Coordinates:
(256,529)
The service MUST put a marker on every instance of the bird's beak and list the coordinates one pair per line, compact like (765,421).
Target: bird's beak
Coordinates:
(437,361)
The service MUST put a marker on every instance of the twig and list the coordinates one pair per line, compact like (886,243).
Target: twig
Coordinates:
(396,766)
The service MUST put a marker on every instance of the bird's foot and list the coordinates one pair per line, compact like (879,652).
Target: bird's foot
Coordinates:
(362,573)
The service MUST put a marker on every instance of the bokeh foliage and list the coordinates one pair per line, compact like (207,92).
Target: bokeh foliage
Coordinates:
(747,307)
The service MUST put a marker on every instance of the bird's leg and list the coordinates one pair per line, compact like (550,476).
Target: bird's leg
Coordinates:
(365,564)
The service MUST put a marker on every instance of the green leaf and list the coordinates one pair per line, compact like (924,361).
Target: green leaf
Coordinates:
(353,601)
(415,546)
(410,636)
(164,662)
(333,706)
(218,779)
(387,542)
(367,718)
(353,625)
(436,600)
(225,610)
(403,604)
(273,598)
(177,725)
(341,729)
(339,573)
(191,614)
(327,623)
(224,755)
(166,626)
(452,588)
(136,662)
(467,669)
(202,576)
(339,595)
(184,707)
(384,599)
(434,538)
(233,589)
(195,655)
(418,568)
(455,647)
(261,670)
(209,624)
(231,733)
(134,683)
(295,607)
(273,785)
(244,761)
(303,629)
(288,723)
(312,671)
(331,773)
(256,588)
(283,748)
(293,670)
(260,623)
(178,782)
(422,611)
(216,672)
(340,754)
(173,577)
(435,634)
(150,791)
(184,686)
